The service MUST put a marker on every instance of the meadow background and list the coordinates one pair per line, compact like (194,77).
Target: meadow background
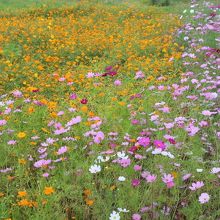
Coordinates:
(109,110)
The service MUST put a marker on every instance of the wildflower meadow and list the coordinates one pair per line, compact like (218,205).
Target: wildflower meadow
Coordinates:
(109,110)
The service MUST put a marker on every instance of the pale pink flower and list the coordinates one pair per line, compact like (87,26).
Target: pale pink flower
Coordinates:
(204,198)
(139,75)
(151,178)
(136,217)
(99,137)
(117,83)
(196,185)
(62,150)
(3,122)
(137,167)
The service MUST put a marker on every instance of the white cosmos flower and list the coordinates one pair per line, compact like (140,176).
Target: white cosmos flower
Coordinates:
(102,159)
(122,155)
(199,170)
(122,210)
(121,178)
(95,168)
(114,216)
(157,151)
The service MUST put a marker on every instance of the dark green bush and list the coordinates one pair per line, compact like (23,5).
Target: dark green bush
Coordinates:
(160,2)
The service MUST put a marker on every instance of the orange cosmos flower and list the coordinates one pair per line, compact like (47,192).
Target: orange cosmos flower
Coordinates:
(48,190)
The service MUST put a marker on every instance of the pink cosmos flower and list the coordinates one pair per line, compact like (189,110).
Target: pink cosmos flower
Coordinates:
(51,140)
(17,94)
(145,174)
(192,130)
(135,182)
(99,137)
(170,184)
(90,75)
(3,122)
(169,125)
(208,113)
(210,95)
(165,109)
(135,122)
(138,156)
(41,163)
(117,83)
(168,179)
(73,96)
(74,121)
(151,178)
(60,113)
(132,149)
(196,185)
(125,162)
(186,176)
(45,174)
(139,75)
(203,123)
(154,117)
(62,150)
(204,198)
(160,144)
(137,167)
(61,79)
(144,141)
(60,131)
(136,217)
(12,142)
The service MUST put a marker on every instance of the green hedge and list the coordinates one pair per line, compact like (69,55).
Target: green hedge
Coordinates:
(160,2)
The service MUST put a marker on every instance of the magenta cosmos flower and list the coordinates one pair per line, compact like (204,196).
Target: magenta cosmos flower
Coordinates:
(160,144)
(84,101)
(135,182)
(73,96)
(144,141)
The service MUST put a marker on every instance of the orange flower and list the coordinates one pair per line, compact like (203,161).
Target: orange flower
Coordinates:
(21,135)
(84,108)
(48,190)
(22,161)
(24,202)
(87,192)
(22,193)
(175,174)
(113,187)
(30,110)
(89,202)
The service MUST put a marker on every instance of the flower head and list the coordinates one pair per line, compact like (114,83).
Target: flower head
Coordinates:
(95,168)
(204,198)
(160,144)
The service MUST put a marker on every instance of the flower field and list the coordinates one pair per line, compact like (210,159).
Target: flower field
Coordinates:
(110,110)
